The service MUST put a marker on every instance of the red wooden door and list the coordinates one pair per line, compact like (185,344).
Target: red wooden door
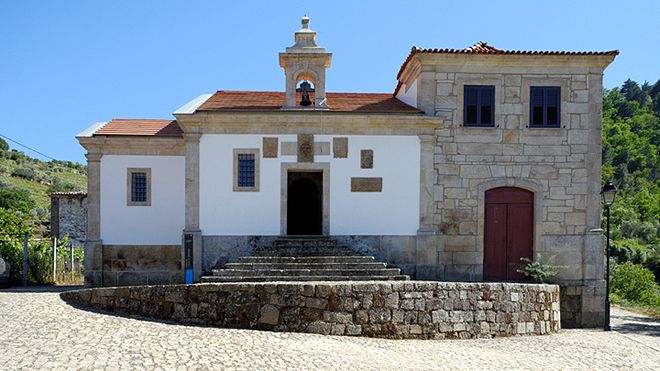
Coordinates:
(508,232)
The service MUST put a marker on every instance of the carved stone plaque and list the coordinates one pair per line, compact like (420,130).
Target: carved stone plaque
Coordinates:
(367,159)
(305,148)
(366,184)
(340,147)
(270,147)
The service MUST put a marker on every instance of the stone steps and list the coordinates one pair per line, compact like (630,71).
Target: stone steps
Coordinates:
(306,272)
(304,259)
(305,251)
(209,279)
(300,265)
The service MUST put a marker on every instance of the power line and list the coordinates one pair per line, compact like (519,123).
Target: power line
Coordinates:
(31,149)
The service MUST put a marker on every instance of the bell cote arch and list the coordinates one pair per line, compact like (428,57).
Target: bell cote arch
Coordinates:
(305,61)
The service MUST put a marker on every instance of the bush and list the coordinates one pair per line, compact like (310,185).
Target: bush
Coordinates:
(536,271)
(59,185)
(25,172)
(39,259)
(15,198)
(634,283)
(4,146)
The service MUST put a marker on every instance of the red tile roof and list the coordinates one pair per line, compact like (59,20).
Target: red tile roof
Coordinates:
(141,127)
(337,102)
(483,48)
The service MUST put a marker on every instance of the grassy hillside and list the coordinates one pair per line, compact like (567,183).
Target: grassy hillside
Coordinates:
(22,174)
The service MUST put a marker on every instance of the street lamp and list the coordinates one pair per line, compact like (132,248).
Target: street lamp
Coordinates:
(608,193)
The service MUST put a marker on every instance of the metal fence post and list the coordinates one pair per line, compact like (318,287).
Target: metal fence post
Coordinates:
(72,267)
(25,257)
(54,259)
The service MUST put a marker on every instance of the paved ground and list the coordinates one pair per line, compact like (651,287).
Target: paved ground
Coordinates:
(39,331)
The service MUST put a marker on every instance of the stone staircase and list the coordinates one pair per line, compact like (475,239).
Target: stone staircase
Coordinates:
(305,259)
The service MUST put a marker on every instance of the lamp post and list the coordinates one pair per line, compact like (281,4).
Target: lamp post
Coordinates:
(608,193)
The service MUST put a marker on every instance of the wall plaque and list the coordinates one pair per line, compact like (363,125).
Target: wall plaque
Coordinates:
(305,148)
(366,184)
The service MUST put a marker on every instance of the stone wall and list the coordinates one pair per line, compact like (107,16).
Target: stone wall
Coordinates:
(560,165)
(68,216)
(378,309)
(128,265)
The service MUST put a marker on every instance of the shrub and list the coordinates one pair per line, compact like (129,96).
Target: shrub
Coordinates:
(536,271)
(25,172)
(59,185)
(15,198)
(634,283)
(4,146)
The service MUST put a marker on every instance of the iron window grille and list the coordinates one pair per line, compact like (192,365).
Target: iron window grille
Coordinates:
(479,105)
(246,170)
(139,189)
(545,106)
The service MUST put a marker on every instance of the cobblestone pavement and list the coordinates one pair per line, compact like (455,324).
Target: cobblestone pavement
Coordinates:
(40,331)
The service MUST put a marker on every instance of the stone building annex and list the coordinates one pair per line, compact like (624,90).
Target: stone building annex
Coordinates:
(479,157)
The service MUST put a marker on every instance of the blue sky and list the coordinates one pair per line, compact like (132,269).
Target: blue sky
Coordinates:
(67,64)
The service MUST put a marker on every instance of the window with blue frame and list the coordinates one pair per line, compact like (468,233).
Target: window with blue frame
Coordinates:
(479,105)
(246,170)
(545,107)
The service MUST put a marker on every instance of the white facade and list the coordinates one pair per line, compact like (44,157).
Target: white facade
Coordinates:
(394,211)
(408,94)
(160,223)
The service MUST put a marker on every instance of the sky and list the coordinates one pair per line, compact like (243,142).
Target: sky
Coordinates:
(67,64)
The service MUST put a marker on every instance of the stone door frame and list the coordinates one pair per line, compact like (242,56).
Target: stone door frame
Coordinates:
(526,184)
(301,167)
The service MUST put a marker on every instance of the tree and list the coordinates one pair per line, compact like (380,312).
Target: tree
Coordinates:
(4,146)
(15,199)
(631,90)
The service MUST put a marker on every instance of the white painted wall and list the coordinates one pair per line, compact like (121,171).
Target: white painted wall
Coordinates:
(160,223)
(395,211)
(408,94)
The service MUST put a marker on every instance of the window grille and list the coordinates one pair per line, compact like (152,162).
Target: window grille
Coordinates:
(139,187)
(246,170)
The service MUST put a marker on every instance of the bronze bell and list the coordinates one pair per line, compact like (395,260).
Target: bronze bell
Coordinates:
(305,88)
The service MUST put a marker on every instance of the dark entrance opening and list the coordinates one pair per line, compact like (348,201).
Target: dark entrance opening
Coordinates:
(304,203)
(508,232)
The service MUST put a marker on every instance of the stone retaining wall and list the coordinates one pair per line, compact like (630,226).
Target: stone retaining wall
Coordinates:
(378,309)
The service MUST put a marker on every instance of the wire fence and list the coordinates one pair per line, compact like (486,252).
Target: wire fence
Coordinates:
(38,261)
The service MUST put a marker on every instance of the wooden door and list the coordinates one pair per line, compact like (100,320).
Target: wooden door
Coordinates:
(508,232)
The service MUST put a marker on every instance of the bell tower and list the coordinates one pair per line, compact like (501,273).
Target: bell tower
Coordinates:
(305,62)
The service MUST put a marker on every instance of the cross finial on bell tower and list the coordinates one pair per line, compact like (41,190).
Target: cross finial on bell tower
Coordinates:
(305,61)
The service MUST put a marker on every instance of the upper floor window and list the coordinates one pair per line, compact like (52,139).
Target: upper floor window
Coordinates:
(246,170)
(479,105)
(544,107)
(139,187)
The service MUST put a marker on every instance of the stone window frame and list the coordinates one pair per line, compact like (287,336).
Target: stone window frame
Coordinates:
(129,186)
(496,82)
(257,169)
(323,167)
(564,98)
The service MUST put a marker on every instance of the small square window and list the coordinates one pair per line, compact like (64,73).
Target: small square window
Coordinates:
(138,187)
(545,106)
(246,170)
(479,105)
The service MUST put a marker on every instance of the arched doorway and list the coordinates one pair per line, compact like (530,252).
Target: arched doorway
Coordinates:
(508,232)
(305,203)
